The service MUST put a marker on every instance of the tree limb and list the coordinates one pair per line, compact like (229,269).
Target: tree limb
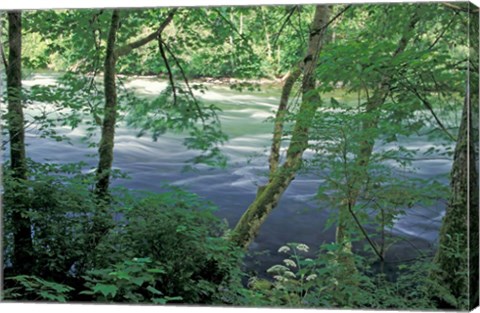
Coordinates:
(277,35)
(185,79)
(447,27)
(167,65)
(126,49)
(365,234)
(231,25)
(429,106)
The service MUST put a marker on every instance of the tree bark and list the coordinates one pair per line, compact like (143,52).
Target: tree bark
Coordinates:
(22,240)
(266,200)
(108,127)
(274,157)
(105,150)
(457,254)
(473,214)
(461,213)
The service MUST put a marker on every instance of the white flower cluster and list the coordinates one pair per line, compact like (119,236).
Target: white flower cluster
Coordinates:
(290,263)
(311,277)
(280,278)
(284,249)
(302,247)
(277,269)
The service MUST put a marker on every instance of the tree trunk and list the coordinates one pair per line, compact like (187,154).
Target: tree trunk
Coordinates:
(473,215)
(274,157)
(108,128)
(457,254)
(266,200)
(366,146)
(22,240)
(461,214)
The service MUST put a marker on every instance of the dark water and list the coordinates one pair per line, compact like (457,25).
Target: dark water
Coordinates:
(298,217)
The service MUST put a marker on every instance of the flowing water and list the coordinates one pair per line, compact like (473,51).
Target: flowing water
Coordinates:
(298,217)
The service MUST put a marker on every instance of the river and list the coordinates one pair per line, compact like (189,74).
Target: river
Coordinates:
(298,217)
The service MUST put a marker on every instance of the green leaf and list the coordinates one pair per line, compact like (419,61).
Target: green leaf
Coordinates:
(138,281)
(106,290)
(156,270)
(154,291)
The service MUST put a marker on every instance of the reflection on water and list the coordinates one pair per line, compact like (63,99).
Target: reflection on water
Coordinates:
(298,218)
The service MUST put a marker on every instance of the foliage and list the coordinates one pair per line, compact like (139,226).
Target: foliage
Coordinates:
(34,288)
(132,281)
(178,231)
(179,111)
(171,242)
(294,280)
(387,75)
(318,282)
(59,207)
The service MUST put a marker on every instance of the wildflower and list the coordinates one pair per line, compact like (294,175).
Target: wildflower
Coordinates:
(311,277)
(290,263)
(302,247)
(284,249)
(289,274)
(280,278)
(277,269)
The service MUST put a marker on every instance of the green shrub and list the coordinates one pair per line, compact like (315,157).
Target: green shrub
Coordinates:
(132,281)
(34,288)
(59,205)
(179,232)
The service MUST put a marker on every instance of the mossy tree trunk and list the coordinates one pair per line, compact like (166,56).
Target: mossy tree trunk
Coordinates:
(107,140)
(268,198)
(473,214)
(105,149)
(274,157)
(102,220)
(461,218)
(457,256)
(22,240)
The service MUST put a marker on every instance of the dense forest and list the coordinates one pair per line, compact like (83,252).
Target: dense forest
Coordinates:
(302,156)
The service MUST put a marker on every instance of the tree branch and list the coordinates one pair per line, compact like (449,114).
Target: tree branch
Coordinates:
(231,25)
(170,75)
(277,35)
(442,33)
(185,79)
(429,106)
(335,17)
(126,49)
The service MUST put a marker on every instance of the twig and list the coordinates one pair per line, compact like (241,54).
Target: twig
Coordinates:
(277,35)
(443,32)
(169,70)
(457,8)
(428,105)
(231,25)
(332,20)
(185,79)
